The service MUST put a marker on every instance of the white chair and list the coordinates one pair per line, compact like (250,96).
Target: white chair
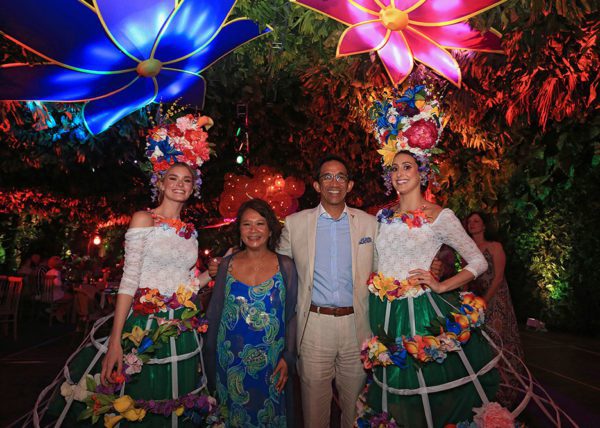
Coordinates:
(46,297)
(10,296)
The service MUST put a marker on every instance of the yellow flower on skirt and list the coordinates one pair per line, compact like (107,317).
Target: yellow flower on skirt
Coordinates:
(110,420)
(136,335)
(183,297)
(124,403)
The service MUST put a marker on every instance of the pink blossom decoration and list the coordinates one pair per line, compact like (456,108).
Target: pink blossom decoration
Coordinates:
(134,363)
(493,415)
(422,134)
(403,30)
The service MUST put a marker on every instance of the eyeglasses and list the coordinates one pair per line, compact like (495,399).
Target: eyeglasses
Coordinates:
(339,177)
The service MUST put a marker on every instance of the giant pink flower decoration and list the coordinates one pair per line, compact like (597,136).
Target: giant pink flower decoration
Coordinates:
(400,30)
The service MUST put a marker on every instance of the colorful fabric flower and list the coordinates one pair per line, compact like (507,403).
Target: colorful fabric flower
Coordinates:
(133,362)
(111,419)
(125,56)
(493,415)
(184,295)
(401,31)
(136,335)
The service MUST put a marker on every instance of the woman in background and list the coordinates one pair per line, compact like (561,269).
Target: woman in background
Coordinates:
(492,286)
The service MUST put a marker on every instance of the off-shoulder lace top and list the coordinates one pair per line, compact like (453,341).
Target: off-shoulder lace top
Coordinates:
(400,249)
(157,257)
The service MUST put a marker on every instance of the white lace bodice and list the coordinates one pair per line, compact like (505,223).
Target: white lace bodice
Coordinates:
(400,249)
(157,257)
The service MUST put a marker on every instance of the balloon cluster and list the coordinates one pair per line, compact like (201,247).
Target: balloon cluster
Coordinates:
(266,183)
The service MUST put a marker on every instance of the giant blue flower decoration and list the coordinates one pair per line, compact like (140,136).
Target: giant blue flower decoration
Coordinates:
(118,55)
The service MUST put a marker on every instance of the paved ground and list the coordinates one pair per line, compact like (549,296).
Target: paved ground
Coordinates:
(566,366)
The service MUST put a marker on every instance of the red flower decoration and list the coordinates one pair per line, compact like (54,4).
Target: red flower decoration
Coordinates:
(422,134)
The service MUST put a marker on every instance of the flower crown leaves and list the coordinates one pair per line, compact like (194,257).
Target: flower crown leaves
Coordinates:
(178,140)
(411,122)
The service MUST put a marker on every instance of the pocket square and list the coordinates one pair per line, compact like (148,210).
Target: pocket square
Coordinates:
(365,240)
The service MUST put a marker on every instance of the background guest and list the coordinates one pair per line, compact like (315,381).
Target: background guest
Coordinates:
(59,294)
(492,286)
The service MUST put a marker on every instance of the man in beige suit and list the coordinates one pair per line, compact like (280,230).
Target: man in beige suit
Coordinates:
(332,246)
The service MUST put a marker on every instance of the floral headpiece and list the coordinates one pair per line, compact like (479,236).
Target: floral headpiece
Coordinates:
(185,140)
(408,122)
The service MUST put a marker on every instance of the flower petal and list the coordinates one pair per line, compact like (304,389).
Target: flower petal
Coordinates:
(396,57)
(446,12)
(232,35)
(462,36)
(433,55)
(73,37)
(49,82)
(363,37)
(100,114)
(176,84)
(371,5)
(405,4)
(192,25)
(340,10)
(134,24)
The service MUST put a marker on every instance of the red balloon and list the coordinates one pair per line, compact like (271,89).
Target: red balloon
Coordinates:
(227,205)
(241,181)
(294,206)
(256,189)
(294,187)
(282,203)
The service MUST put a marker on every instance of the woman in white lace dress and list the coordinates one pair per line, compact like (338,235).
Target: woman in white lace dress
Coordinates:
(150,373)
(426,353)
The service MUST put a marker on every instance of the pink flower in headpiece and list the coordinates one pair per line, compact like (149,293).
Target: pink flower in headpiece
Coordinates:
(422,134)
(185,122)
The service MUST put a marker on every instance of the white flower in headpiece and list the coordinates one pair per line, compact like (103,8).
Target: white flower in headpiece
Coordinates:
(185,122)
(157,153)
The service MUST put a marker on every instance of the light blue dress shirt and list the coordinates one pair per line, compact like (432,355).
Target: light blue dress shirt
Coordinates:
(332,281)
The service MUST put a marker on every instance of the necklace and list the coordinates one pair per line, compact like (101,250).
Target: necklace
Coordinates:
(182,228)
(412,218)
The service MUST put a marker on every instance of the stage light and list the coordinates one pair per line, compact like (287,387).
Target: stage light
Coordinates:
(239,159)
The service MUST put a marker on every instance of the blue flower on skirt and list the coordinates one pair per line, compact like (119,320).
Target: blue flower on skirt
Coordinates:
(146,343)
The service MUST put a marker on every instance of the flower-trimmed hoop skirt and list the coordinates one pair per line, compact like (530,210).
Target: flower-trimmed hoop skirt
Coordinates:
(176,372)
(453,403)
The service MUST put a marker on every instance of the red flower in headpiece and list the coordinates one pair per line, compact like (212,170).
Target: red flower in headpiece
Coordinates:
(422,134)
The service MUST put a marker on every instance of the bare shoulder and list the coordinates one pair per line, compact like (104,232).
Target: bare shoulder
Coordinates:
(496,247)
(432,211)
(141,219)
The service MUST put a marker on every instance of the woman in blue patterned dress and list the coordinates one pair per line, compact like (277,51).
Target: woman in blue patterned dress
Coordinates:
(250,350)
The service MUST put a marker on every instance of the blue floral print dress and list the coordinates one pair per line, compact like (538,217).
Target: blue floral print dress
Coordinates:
(250,341)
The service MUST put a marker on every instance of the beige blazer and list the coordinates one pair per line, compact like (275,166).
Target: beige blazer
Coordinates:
(298,241)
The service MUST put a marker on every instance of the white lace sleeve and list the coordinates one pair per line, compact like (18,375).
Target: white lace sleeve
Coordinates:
(135,243)
(453,234)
